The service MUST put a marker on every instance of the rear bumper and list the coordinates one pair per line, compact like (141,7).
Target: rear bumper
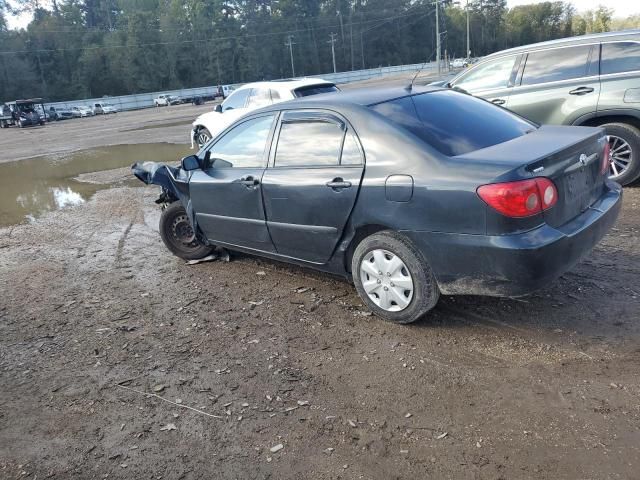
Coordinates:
(515,265)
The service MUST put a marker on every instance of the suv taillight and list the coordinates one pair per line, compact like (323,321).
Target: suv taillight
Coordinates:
(606,161)
(523,198)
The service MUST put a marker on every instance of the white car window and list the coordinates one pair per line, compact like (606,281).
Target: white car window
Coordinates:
(236,100)
(259,98)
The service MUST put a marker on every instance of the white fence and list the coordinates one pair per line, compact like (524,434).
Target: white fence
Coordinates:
(145,100)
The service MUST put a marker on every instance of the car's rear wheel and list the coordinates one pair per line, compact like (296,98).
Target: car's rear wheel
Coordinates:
(178,235)
(393,278)
(624,152)
(202,136)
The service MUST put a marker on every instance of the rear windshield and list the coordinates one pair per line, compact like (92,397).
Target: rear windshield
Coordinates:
(454,123)
(315,90)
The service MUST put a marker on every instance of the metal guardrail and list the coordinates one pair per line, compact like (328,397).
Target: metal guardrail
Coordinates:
(145,100)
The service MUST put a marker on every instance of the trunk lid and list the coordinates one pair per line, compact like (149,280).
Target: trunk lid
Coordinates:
(571,157)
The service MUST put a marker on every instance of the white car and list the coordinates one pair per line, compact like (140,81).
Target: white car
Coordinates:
(459,63)
(82,111)
(250,97)
(166,100)
(103,108)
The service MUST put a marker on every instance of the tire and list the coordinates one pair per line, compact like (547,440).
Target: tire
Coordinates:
(414,269)
(177,234)
(203,135)
(620,134)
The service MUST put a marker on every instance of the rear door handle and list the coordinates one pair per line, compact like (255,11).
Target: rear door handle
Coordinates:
(338,184)
(249,181)
(498,101)
(581,91)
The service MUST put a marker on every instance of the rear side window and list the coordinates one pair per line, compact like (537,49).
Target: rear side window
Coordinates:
(315,90)
(454,123)
(556,64)
(620,57)
(303,144)
(259,98)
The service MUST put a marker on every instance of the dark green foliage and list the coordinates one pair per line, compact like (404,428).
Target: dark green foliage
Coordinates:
(91,48)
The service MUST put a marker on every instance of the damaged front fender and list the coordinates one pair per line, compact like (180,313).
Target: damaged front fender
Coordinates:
(174,181)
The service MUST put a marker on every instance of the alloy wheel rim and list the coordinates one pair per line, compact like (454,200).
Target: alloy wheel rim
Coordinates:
(203,138)
(386,280)
(620,156)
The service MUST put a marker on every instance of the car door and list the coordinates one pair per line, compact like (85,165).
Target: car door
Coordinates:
(491,80)
(558,85)
(226,194)
(311,184)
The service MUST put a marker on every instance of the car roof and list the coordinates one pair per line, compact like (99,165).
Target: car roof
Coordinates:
(577,40)
(287,84)
(363,97)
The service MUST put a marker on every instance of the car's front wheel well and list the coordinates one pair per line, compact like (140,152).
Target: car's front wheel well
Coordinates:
(598,121)
(360,234)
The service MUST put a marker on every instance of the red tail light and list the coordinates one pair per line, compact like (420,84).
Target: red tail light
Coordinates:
(522,198)
(605,158)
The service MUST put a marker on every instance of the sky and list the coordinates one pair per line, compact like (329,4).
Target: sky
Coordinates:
(621,8)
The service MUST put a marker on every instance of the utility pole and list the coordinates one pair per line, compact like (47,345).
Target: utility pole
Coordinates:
(438,36)
(468,38)
(332,41)
(290,43)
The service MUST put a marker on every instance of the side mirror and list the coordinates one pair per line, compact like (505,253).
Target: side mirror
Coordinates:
(218,108)
(192,162)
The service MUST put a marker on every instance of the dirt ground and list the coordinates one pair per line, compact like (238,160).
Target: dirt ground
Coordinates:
(151,125)
(118,360)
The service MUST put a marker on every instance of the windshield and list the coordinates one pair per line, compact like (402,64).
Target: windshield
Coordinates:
(454,123)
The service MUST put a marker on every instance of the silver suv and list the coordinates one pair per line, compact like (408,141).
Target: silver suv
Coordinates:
(591,80)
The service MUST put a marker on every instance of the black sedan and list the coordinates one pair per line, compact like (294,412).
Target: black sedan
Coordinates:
(409,192)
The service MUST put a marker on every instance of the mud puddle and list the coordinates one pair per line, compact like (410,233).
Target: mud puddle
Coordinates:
(31,187)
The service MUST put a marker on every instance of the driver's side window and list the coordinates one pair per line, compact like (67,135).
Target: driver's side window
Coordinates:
(237,99)
(493,74)
(243,146)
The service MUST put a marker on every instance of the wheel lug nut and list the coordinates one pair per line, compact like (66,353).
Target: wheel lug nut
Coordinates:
(386,288)
(392,284)
(388,274)
(379,281)
(379,272)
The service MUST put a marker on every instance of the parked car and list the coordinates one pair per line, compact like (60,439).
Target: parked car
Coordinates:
(60,113)
(458,196)
(591,80)
(22,113)
(80,111)
(103,108)
(166,100)
(250,97)
(459,63)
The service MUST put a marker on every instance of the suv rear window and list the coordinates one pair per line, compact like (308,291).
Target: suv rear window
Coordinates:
(454,123)
(315,90)
(620,57)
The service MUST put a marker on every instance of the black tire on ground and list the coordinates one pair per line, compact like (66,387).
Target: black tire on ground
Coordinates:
(631,135)
(202,136)
(178,236)
(425,288)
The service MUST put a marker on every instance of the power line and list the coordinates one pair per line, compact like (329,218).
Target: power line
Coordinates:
(197,41)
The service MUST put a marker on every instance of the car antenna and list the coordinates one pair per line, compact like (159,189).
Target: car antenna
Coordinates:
(410,86)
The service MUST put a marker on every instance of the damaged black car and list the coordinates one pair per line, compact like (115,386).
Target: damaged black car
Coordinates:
(408,192)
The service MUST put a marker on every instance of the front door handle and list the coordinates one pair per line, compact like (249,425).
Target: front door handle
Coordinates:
(338,184)
(249,181)
(498,101)
(581,91)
